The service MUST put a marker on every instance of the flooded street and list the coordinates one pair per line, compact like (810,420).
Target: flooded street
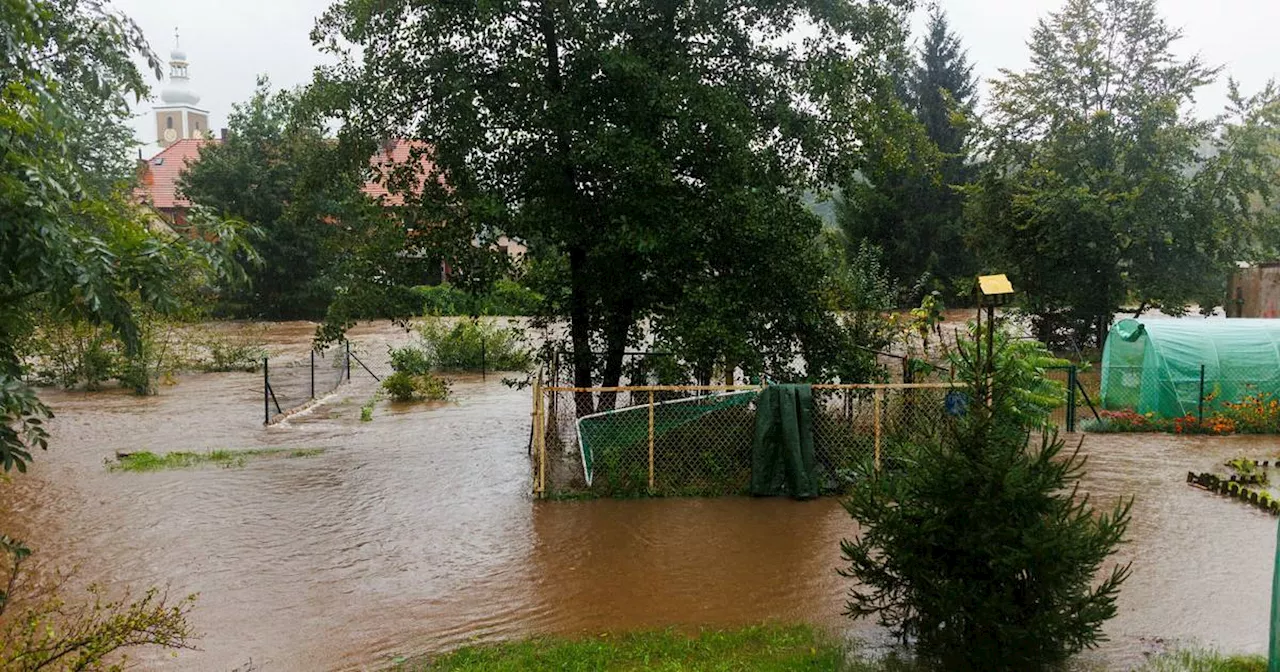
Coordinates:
(416,531)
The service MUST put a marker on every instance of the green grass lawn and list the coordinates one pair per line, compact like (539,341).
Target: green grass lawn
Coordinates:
(1190,660)
(145,461)
(764,648)
(767,648)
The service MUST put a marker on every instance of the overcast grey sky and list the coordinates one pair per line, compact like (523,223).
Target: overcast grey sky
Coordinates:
(230,42)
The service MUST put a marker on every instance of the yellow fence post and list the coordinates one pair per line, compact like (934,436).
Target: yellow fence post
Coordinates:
(540,436)
(651,440)
(879,409)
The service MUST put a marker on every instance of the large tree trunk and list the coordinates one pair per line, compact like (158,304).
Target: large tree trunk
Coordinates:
(580,329)
(579,290)
(619,326)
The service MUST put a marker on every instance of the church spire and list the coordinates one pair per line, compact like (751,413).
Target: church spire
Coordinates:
(177,116)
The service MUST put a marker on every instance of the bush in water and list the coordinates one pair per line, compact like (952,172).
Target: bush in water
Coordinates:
(403,386)
(506,298)
(470,345)
(411,360)
(980,553)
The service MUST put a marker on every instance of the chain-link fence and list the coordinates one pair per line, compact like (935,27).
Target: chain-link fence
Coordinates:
(697,440)
(289,384)
(1231,398)
(1081,387)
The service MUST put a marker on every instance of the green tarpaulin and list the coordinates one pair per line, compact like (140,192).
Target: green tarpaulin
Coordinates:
(782,458)
(1154,366)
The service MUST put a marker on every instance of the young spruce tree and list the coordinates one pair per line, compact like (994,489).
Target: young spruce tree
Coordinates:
(981,550)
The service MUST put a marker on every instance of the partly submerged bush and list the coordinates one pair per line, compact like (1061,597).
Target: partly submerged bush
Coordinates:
(472,345)
(74,353)
(220,352)
(403,386)
(411,360)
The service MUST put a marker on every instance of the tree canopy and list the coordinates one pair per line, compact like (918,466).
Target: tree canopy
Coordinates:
(643,149)
(910,206)
(71,239)
(1102,189)
(276,171)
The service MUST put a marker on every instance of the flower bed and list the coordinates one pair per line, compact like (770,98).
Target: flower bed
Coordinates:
(1255,414)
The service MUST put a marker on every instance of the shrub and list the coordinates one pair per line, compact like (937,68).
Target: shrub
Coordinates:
(470,345)
(402,386)
(980,553)
(74,353)
(432,388)
(43,630)
(411,360)
(506,298)
(229,352)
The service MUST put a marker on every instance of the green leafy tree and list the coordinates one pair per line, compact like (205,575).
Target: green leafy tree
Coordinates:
(275,170)
(632,145)
(72,242)
(910,206)
(1101,190)
(980,550)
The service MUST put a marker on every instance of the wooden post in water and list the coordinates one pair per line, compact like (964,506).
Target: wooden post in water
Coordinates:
(540,437)
(650,440)
(879,409)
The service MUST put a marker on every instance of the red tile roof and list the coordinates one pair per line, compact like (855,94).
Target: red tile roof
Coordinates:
(158,179)
(391,155)
(158,176)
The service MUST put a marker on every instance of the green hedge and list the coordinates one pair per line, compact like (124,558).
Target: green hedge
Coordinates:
(507,298)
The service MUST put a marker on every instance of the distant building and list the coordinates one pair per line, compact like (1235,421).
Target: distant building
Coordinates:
(1255,291)
(182,130)
(158,179)
(177,117)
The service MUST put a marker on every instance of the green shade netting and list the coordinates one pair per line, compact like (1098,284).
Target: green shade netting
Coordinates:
(1273,648)
(782,457)
(626,427)
(1153,366)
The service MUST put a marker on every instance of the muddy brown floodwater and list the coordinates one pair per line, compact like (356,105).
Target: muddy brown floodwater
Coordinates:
(416,532)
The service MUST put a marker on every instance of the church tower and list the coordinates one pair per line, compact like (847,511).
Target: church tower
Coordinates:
(177,117)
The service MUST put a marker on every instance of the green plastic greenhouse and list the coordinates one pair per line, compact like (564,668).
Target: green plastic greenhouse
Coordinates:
(1154,366)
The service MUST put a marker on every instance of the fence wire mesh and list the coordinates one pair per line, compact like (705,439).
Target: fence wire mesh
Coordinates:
(697,440)
(1217,397)
(292,383)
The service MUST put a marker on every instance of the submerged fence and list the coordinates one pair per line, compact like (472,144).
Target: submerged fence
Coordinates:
(288,385)
(697,440)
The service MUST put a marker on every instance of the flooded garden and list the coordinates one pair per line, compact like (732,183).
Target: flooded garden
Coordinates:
(347,544)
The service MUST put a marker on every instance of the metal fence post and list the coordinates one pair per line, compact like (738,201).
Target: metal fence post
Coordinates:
(313,373)
(266,393)
(1071,398)
(650,440)
(879,402)
(348,359)
(1200,402)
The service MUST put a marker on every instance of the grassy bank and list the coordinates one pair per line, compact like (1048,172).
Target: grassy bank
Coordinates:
(145,461)
(768,648)
(764,648)
(1204,661)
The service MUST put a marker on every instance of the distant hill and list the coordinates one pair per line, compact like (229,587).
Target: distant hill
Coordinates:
(822,206)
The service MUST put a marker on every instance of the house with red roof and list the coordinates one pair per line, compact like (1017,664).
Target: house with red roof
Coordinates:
(182,130)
